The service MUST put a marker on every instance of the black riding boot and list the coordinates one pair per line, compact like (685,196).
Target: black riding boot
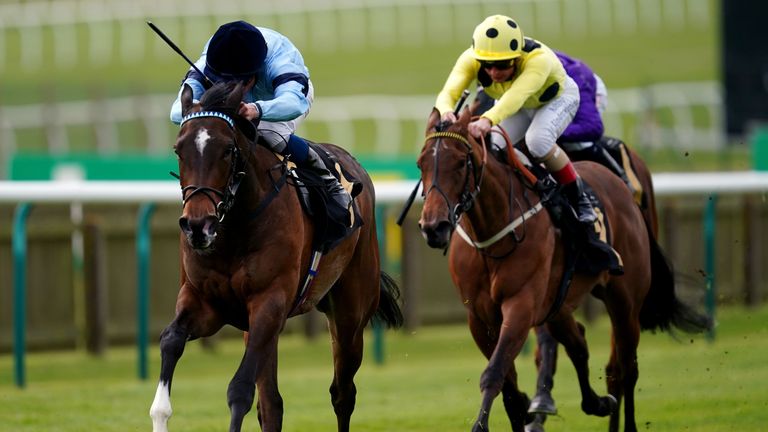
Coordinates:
(580,202)
(335,190)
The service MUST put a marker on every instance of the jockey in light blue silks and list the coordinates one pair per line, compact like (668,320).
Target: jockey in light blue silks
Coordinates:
(278,91)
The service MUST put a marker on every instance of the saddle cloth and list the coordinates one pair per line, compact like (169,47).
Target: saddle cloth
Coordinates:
(332,223)
(591,246)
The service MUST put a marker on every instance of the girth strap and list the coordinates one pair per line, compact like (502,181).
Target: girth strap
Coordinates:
(303,291)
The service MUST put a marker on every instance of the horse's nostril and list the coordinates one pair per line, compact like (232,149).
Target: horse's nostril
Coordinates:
(210,225)
(184,225)
(198,229)
(437,234)
(444,227)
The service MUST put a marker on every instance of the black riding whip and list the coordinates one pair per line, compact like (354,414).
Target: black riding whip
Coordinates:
(408,204)
(178,51)
(412,197)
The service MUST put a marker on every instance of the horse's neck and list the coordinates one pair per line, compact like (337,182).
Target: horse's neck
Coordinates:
(256,183)
(494,205)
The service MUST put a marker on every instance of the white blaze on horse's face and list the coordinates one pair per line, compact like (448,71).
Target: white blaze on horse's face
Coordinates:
(436,147)
(160,410)
(201,140)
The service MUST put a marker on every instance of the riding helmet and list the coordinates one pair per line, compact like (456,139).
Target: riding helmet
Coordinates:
(236,51)
(498,37)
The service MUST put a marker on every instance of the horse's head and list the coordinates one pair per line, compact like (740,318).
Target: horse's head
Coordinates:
(451,177)
(210,148)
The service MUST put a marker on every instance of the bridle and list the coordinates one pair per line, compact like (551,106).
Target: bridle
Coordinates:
(468,194)
(222,200)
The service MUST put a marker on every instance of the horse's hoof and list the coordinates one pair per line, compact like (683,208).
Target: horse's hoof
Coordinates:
(608,406)
(604,406)
(543,404)
(534,427)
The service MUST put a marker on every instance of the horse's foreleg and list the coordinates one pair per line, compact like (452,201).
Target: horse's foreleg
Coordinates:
(172,342)
(259,367)
(546,360)
(500,372)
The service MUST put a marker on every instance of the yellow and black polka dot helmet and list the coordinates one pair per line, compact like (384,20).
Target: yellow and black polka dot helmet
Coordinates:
(498,37)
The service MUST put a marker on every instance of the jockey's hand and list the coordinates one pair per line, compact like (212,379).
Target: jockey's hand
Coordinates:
(480,127)
(449,117)
(249,110)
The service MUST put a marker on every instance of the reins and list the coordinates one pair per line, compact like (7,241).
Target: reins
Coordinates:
(524,215)
(514,160)
(468,196)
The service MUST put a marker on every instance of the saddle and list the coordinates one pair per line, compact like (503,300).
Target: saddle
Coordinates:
(591,247)
(590,250)
(611,153)
(332,222)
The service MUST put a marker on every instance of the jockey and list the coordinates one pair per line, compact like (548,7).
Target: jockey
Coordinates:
(278,93)
(535,98)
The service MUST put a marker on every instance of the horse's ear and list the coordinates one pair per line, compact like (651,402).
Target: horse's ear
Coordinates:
(434,119)
(186,100)
(235,97)
(475,106)
(465,116)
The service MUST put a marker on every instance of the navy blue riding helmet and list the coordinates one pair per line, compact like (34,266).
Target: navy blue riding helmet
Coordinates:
(236,52)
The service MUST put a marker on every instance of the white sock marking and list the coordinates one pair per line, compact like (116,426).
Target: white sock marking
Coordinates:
(161,410)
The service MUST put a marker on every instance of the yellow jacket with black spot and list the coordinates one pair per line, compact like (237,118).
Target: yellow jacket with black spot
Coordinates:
(538,78)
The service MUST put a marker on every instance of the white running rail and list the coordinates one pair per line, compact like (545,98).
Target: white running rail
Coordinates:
(387,192)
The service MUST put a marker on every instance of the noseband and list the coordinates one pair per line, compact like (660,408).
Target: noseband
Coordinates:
(226,198)
(467,198)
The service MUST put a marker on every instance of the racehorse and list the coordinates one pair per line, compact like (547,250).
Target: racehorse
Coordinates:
(245,250)
(511,283)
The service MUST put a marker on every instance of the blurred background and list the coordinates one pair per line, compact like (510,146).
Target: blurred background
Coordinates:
(86,90)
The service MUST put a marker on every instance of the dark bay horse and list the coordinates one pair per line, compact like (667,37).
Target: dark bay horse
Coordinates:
(245,252)
(509,285)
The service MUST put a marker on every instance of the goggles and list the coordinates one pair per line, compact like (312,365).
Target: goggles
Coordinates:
(498,64)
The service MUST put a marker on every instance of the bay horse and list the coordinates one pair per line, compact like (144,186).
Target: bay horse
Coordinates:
(510,285)
(245,251)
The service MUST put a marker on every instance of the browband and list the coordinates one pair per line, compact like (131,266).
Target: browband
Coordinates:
(200,114)
(453,135)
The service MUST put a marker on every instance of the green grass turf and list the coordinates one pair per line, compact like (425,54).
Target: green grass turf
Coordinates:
(429,382)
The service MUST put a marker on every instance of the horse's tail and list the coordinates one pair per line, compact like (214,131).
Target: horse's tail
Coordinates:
(388,312)
(662,309)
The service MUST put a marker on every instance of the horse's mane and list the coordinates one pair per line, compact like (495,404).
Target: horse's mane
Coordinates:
(216,96)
